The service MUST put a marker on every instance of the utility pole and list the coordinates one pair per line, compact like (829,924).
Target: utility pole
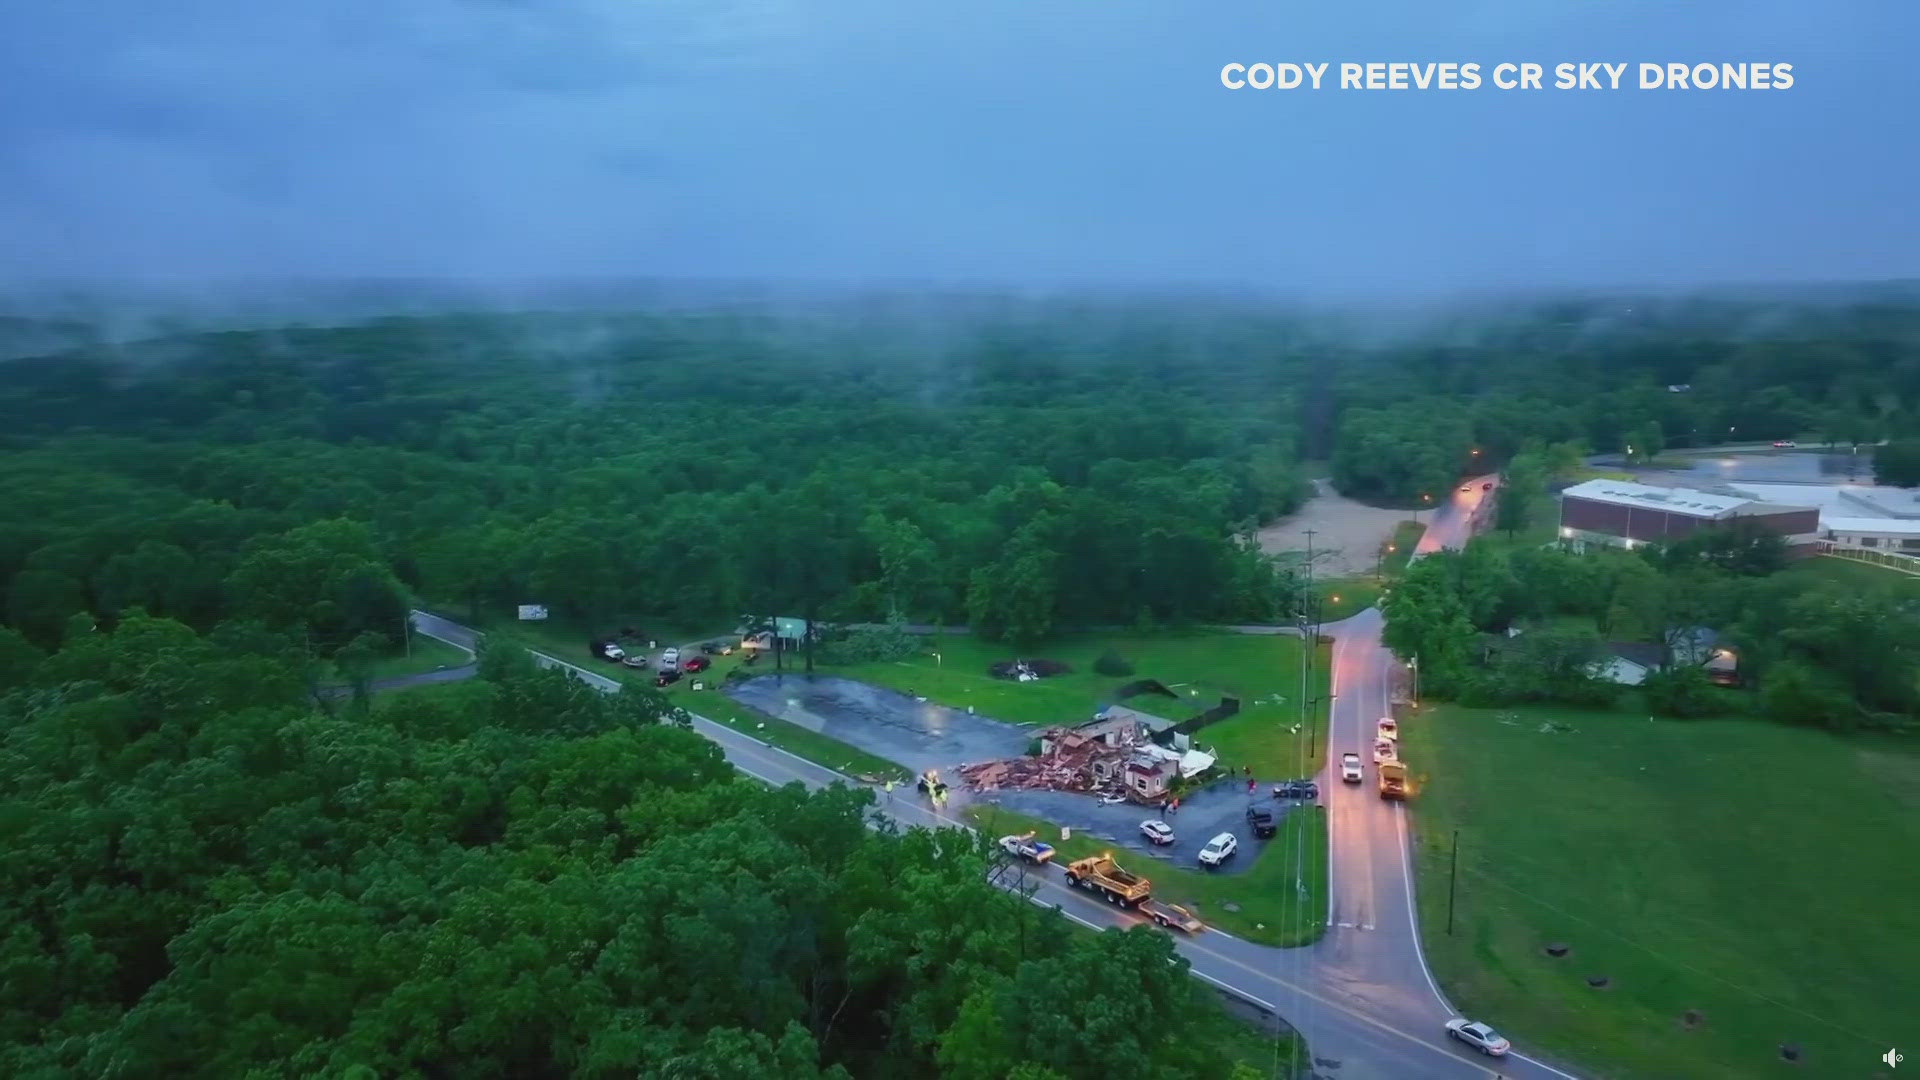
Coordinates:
(1453,873)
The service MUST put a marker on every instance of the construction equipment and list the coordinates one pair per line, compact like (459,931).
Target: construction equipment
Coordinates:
(1393,779)
(1100,875)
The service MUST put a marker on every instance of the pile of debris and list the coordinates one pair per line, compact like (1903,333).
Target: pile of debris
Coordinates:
(1051,773)
(1028,670)
(1092,757)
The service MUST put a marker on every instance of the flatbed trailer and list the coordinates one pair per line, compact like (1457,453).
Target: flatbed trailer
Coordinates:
(1100,875)
(1172,916)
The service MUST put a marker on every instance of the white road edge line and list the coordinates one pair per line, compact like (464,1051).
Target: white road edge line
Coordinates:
(1420,952)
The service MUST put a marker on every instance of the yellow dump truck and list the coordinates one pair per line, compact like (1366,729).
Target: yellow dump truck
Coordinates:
(1100,875)
(1393,779)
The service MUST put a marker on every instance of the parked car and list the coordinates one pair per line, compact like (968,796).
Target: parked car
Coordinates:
(1784,444)
(1219,850)
(1260,819)
(1157,832)
(1296,789)
(717,648)
(695,663)
(1466,487)
(666,677)
(1488,486)
(1389,728)
(1479,1036)
(607,650)
(1350,768)
(1385,750)
(670,659)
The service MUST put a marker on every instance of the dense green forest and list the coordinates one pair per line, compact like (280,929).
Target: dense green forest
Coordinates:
(1022,470)
(212,872)
(208,877)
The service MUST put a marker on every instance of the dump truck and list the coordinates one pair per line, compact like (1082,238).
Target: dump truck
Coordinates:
(1172,916)
(1026,847)
(1100,875)
(1393,779)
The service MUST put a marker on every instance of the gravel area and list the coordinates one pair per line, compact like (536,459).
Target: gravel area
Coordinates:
(1347,536)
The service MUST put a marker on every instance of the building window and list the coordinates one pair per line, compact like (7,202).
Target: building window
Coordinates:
(1869,541)
(1910,545)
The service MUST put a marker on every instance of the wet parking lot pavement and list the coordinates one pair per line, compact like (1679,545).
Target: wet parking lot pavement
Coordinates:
(917,734)
(1202,815)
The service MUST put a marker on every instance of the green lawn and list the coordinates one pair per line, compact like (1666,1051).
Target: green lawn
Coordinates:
(423,654)
(1406,536)
(1762,875)
(1342,598)
(1273,908)
(1862,575)
(1262,670)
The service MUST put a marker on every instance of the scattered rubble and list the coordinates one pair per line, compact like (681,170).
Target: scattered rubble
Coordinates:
(1112,755)
(1028,670)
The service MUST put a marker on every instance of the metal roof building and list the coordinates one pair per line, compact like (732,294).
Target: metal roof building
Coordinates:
(1623,513)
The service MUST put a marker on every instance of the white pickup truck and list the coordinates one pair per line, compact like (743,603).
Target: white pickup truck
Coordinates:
(1026,847)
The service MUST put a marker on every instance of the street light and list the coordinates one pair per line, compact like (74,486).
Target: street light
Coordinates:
(1312,708)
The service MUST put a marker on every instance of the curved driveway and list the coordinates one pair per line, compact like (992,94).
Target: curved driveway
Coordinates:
(1362,995)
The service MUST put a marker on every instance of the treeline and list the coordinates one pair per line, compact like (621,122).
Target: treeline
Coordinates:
(1809,650)
(1023,469)
(208,877)
(683,472)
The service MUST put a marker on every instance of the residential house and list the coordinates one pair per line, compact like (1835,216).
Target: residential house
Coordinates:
(1629,662)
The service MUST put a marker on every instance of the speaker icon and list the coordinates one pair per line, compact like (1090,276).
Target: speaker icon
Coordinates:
(1893,1058)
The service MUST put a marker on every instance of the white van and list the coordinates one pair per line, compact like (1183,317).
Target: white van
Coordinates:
(670,660)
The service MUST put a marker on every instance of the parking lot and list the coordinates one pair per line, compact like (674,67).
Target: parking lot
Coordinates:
(917,734)
(1202,815)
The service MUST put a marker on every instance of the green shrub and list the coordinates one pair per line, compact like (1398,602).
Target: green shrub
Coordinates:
(1113,664)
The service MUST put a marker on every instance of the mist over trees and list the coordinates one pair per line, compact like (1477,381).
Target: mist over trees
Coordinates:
(212,872)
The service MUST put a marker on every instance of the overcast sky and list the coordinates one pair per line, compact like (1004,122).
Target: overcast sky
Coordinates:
(1015,141)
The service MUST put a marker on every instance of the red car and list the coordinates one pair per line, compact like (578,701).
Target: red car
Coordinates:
(1785,444)
(695,663)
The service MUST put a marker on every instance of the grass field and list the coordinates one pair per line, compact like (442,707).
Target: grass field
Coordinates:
(1262,670)
(1861,575)
(1273,908)
(1759,874)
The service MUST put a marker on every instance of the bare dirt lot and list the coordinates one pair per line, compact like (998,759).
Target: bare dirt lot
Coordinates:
(1346,535)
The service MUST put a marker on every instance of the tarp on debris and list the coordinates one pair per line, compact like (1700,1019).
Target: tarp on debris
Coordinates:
(1195,762)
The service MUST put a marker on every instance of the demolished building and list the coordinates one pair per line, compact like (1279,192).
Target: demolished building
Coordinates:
(1114,753)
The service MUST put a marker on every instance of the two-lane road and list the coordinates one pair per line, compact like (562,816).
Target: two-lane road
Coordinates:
(1362,995)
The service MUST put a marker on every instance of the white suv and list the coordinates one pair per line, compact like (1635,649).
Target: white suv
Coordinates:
(1350,768)
(1219,850)
(670,660)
